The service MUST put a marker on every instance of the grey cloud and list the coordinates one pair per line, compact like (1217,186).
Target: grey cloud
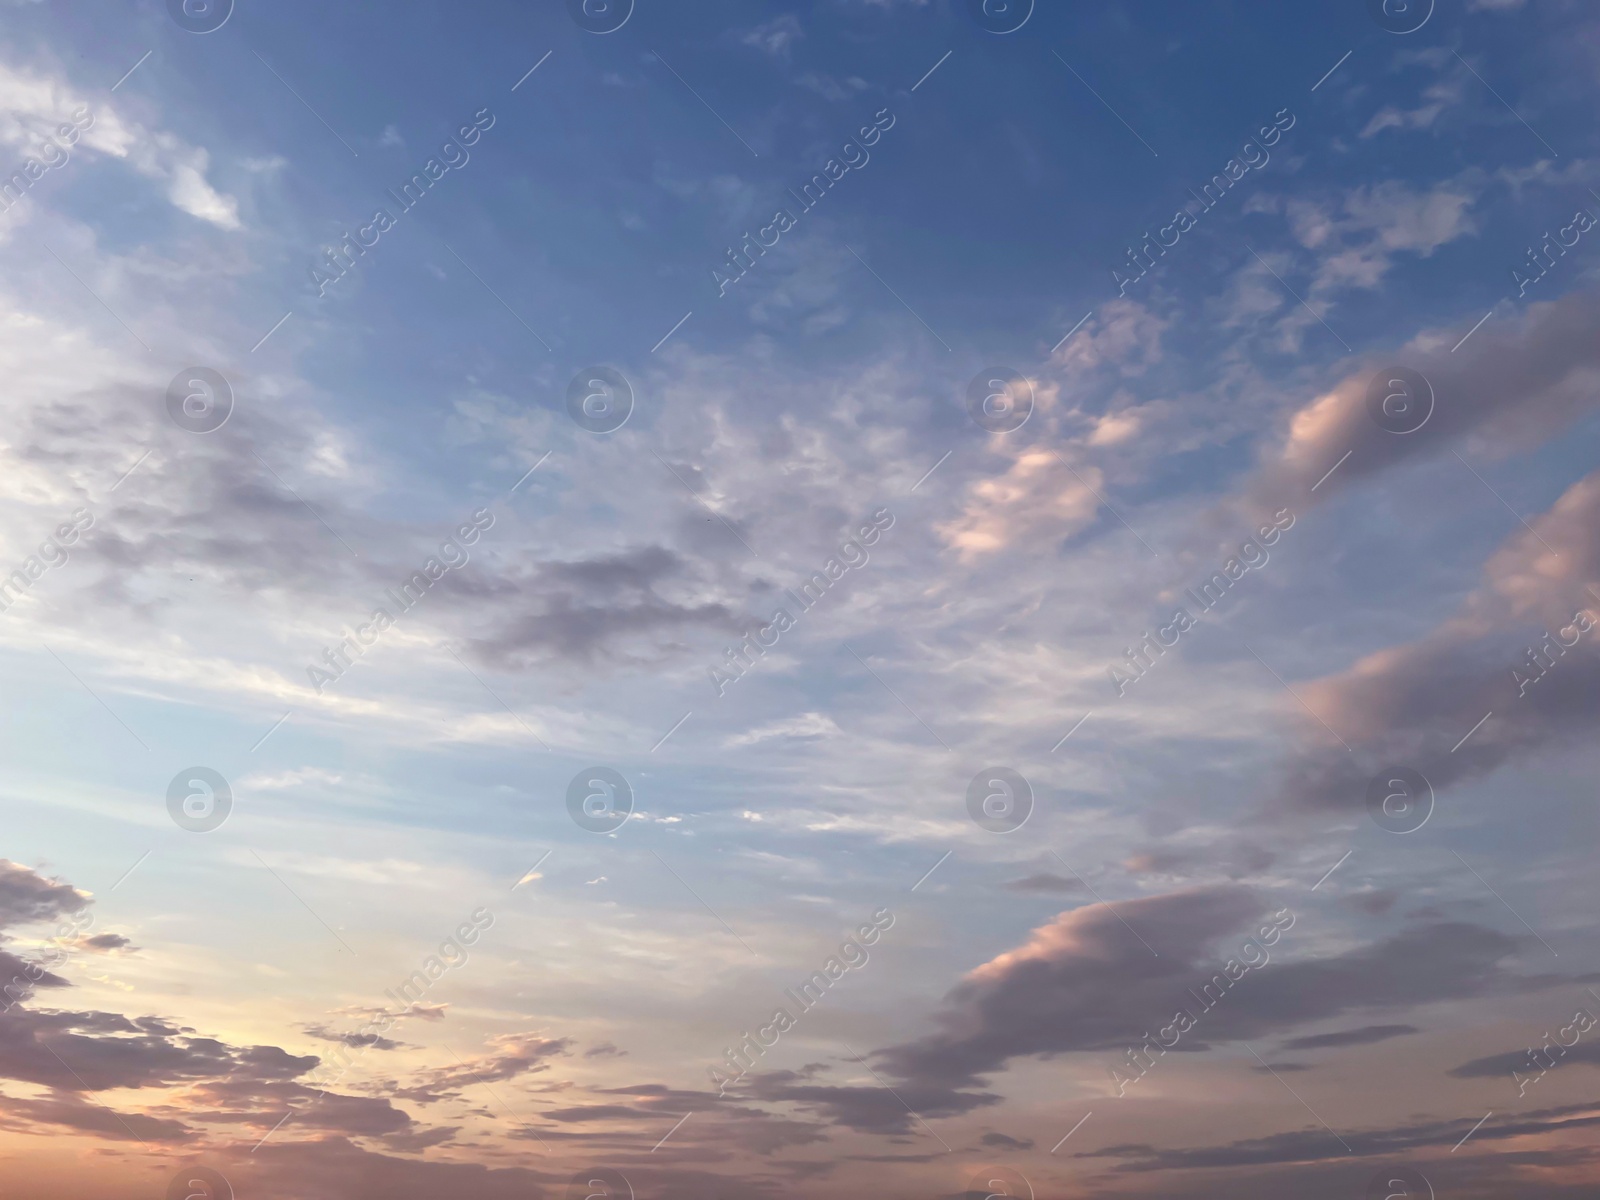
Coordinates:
(22,977)
(1363,1036)
(510,1055)
(1010,1143)
(257,516)
(1083,983)
(26,896)
(95,1051)
(869,1108)
(1077,984)
(1043,881)
(260,1104)
(1234,858)
(63,1110)
(1515,382)
(1517,1060)
(583,610)
(340,1168)
(1318,1145)
(105,943)
(1411,705)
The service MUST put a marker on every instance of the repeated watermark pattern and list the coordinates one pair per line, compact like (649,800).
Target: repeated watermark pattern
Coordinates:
(52,156)
(454,154)
(1253,955)
(852,956)
(631,138)
(1253,156)
(853,554)
(854,155)
(454,553)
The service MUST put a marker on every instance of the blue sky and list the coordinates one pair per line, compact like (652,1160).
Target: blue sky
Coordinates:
(980,230)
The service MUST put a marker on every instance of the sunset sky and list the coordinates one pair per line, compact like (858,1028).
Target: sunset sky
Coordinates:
(1037,571)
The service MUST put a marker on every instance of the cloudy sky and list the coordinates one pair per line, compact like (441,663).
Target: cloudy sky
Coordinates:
(863,598)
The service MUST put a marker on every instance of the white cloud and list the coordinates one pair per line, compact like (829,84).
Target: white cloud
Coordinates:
(1435,99)
(775,36)
(34,108)
(806,725)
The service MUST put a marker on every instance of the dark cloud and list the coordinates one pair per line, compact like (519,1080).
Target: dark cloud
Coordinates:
(1412,705)
(1374,903)
(582,610)
(1519,1061)
(267,512)
(19,977)
(869,1109)
(1364,1036)
(1515,382)
(1084,982)
(94,1051)
(1318,1145)
(105,943)
(341,1168)
(262,1104)
(1043,881)
(26,896)
(63,1110)
(1010,1143)
(354,1040)
(1077,984)
(595,1112)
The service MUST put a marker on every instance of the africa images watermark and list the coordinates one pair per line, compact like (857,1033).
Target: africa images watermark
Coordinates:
(1207,198)
(852,956)
(1252,556)
(33,973)
(16,185)
(452,155)
(1542,260)
(852,157)
(1140,1059)
(52,553)
(1551,647)
(852,554)
(342,655)
(453,953)
(1543,1060)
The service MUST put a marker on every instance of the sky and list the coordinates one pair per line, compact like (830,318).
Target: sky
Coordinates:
(863,598)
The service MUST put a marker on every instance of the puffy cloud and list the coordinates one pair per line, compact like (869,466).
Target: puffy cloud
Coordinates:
(1358,236)
(1038,491)
(775,37)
